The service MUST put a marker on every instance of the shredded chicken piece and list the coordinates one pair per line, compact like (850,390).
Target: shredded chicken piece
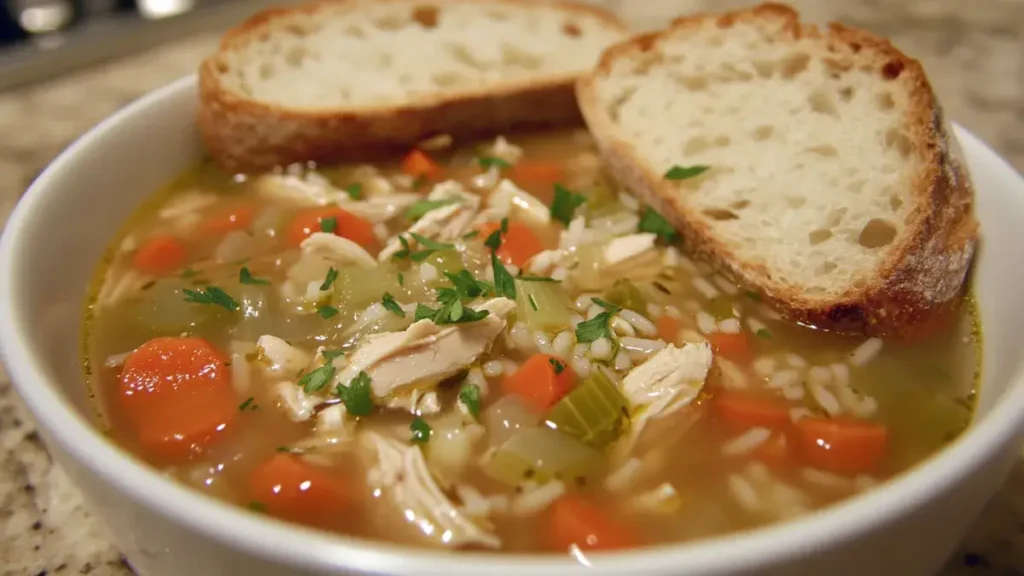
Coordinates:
(511,201)
(668,382)
(297,404)
(444,224)
(308,190)
(425,353)
(400,472)
(280,358)
(544,262)
(121,285)
(320,252)
(334,425)
(417,402)
(662,500)
(382,207)
(625,248)
(507,151)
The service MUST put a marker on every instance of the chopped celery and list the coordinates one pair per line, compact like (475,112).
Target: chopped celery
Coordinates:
(450,450)
(445,261)
(625,294)
(506,417)
(162,309)
(593,411)
(543,454)
(543,305)
(356,288)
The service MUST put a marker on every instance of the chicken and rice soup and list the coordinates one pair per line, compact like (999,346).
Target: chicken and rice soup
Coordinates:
(490,347)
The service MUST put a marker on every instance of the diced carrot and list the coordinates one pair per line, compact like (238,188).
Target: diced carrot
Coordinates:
(742,410)
(346,225)
(159,255)
(288,487)
(774,452)
(537,173)
(577,521)
(418,164)
(518,244)
(842,445)
(177,393)
(735,347)
(541,381)
(668,328)
(228,219)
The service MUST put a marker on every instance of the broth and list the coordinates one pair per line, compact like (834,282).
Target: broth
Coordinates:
(482,441)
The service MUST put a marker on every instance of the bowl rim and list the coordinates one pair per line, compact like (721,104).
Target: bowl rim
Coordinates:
(292,545)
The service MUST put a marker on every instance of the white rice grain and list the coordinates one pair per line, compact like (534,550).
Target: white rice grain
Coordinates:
(574,320)
(840,374)
(560,273)
(581,366)
(796,360)
(624,477)
(755,325)
(732,375)
(493,368)
(825,399)
(622,361)
(795,392)
(654,311)
(580,349)
(583,303)
(474,504)
(116,360)
(670,257)
(795,414)
(747,442)
(690,336)
(764,366)
(428,272)
(826,479)
(856,403)
(705,288)
(730,326)
(819,375)
(563,343)
(601,349)
(509,366)
(725,286)
(538,499)
(866,352)
(520,335)
(784,378)
(643,326)
(593,311)
(673,312)
(621,327)
(743,492)
(475,377)
(640,347)
(543,342)
(706,322)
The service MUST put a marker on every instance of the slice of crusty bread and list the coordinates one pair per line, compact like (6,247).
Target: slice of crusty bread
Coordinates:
(832,189)
(334,78)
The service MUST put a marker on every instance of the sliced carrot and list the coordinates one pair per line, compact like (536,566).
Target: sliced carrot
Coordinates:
(518,243)
(160,255)
(288,487)
(842,445)
(346,225)
(668,328)
(418,164)
(742,410)
(541,381)
(537,173)
(735,347)
(774,452)
(577,521)
(177,394)
(228,219)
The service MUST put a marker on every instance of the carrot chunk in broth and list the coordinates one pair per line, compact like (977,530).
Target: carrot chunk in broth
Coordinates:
(177,394)
(535,173)
(330,219)
(228,219)
(668,328)
(290,488)
(735,347)
(518,244)
(418,164)
(541,381)
(577,521)
(160,255)
(843,445)
(742,410)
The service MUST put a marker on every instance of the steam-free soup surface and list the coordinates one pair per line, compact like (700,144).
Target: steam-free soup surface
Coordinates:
(490,347)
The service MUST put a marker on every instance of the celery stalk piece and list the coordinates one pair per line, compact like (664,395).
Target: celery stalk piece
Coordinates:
(595,411)
(543,454)
(356,288)
(626,295)
(543,305)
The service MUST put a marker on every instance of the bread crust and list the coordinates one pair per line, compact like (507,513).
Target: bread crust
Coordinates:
(243,134)
(919,282)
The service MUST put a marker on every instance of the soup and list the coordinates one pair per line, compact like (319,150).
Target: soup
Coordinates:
(488,347)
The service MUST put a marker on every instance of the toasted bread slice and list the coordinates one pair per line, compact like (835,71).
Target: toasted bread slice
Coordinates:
(831,186)
(332,79)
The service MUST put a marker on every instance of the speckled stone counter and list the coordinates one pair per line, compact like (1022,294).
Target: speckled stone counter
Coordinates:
(973,51)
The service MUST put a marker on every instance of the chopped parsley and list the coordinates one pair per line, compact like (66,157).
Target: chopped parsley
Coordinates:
(354,191)
(470,398)
(492,162)
(764,333)
(564,206)
(471,234)
(429,247)
(246,277)
(452,312)
(358,395)
(332,354)
(211,295)
(678,172)
(556,365)
(326,311)
(503,226)
(189,272)
(466,286)
(248,404)
(401,279)
(493,240)
(652,222)
(504,283)
(533,302)
(389,303)
(420,430)
(315,380)
(419,209)
(606,305)
(285,450)
(595,328)
(329,224)
(534,278)
(332,275)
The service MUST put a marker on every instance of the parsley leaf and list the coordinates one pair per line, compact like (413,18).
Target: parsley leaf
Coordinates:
(389,303)
(533,302)
(420,431)
(448,314)
(357,396)
(678,172)
(606,305)
(401,279)
(430,244)
(471,234)
(329,224)
(533,278)
(405,252)
(189,272)
(248,404)
(315,380)
(419,209)
(492,161)
(354,191)
(651,221)
(211,295)
(764,333)
(564,206)
(326,312)
(332,275)
(504,283)
(470,397)
(556,365)
(595,328)
(246,277)
(493,240)
(503,226)
(467,287)
(330,355)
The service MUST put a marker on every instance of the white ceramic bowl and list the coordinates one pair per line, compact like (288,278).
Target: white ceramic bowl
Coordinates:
(59,230)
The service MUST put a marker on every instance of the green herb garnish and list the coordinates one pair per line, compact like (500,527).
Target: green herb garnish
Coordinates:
(564,206)
(533,302)
(401,279)
(211,295)
(332,275)
(493,240)
(595,328)
(764,333)
(389,303)
(358,395)
(315,380)
(503,226)
(533,278)
(189,272)
(285,449)
(504,283)
(556,365)
(678,172)
(470,397)
(606,305)
(654,223)
(329,224)
(326,311)
(452,312)
(354,191)
(419,209)
(247,404)
(493,161)
(420,430)
(330,355)
(246,277)
(429,247)
(466,286)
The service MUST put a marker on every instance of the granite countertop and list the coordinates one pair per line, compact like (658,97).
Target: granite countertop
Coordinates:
(973,52)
